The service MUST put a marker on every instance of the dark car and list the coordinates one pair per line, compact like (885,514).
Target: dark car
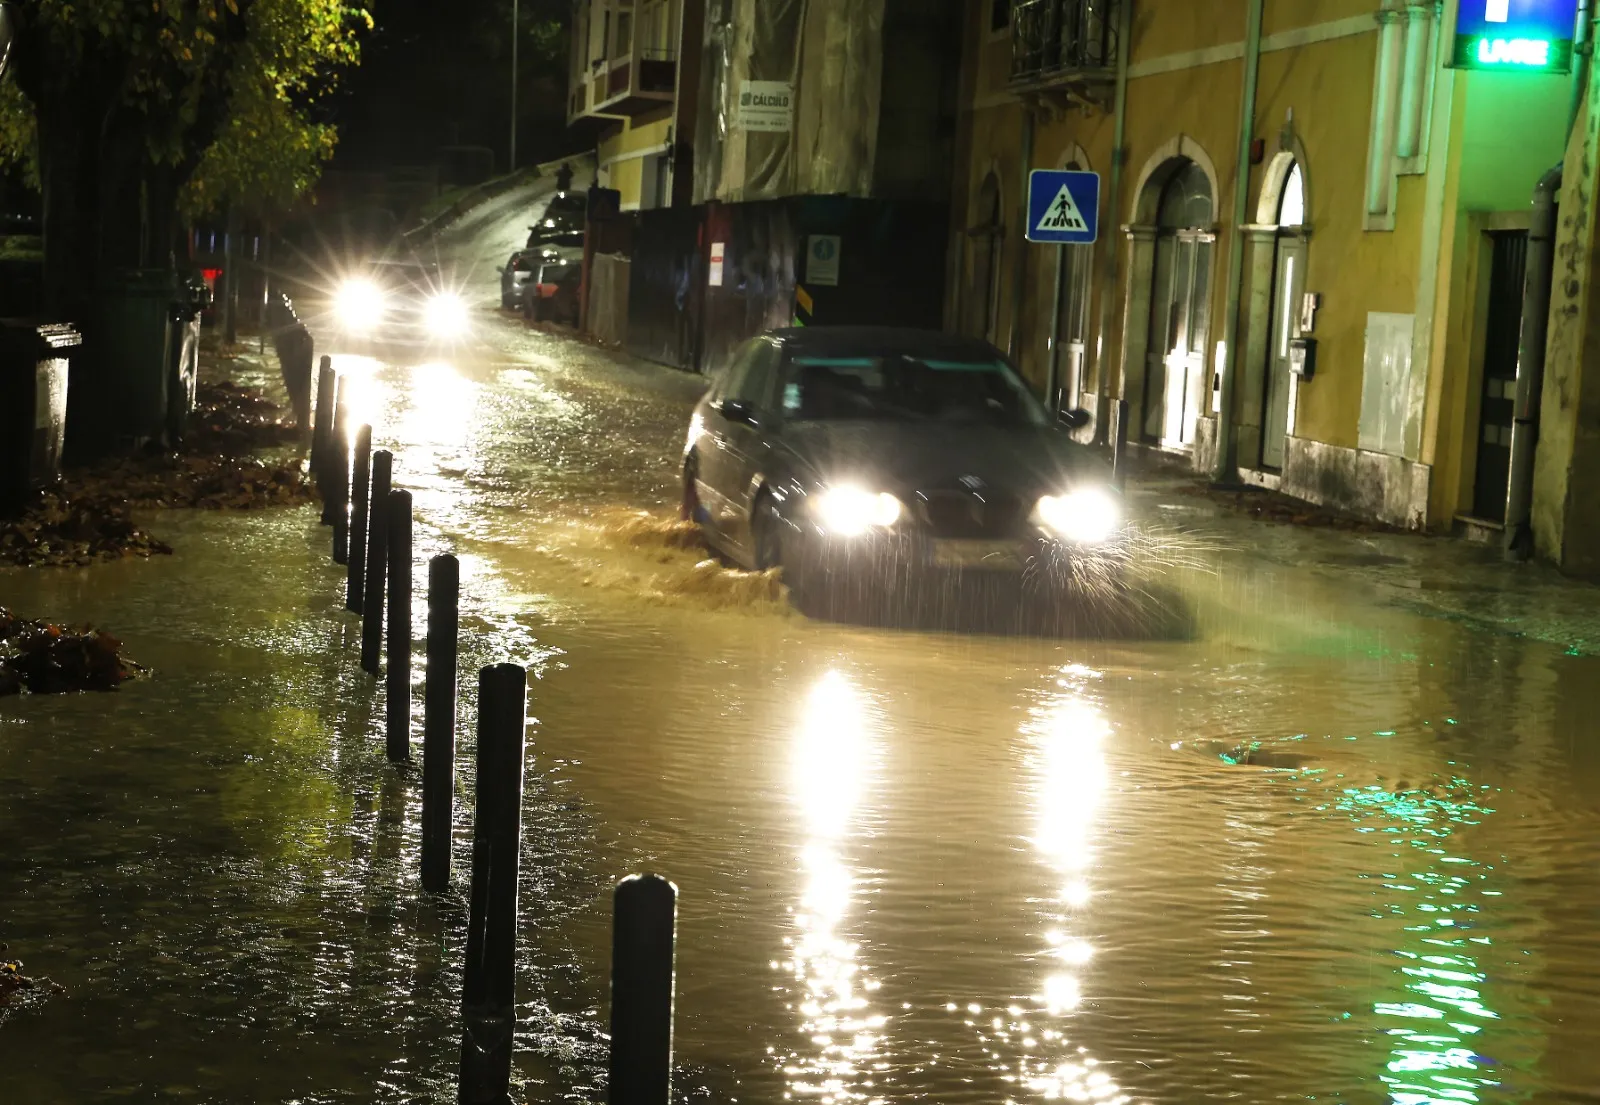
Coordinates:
(402,300)
(562,222)
(890,460)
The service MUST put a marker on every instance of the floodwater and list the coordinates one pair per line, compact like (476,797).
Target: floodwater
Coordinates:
(1337,844)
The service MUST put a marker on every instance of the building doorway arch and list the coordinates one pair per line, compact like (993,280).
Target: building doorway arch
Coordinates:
(1288,288)
(986,238)
(1171,247)
(1180,308)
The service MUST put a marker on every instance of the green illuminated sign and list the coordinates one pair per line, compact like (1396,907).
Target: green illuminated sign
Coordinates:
(1531,36)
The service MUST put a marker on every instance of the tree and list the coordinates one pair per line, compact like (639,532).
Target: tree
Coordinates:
(133,107)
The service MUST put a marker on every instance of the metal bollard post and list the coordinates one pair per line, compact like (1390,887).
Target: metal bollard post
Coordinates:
(1119,446)
(377,540)
(355,578)
(489,986)
(322,430)
(643,933)
(397,517)
(339,458)
(439,722)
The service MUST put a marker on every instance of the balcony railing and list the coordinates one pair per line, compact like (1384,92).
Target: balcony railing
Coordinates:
(1063,41)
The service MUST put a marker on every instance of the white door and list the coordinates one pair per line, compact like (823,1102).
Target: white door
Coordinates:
(1288,286)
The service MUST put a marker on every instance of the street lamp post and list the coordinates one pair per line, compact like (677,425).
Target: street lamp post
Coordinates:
(515,21)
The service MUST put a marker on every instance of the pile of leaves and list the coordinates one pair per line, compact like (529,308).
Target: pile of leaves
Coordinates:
(42,658)
(16,988)
(87,518)
(64,530)
(231,419)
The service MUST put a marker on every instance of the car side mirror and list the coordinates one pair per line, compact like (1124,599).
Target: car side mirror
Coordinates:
(501,269)
(739,410)
(1075,419)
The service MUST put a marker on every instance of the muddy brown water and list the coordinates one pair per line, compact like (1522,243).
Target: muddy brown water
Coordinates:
(1331,847)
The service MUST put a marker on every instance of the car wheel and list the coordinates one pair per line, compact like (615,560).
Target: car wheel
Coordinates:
(689,507)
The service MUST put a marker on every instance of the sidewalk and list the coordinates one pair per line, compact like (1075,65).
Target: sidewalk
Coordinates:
(1437,576)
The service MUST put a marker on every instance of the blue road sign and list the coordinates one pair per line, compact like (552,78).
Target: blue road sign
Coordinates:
(1063,207)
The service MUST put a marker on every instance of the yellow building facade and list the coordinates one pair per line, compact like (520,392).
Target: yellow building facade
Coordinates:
(1385,214)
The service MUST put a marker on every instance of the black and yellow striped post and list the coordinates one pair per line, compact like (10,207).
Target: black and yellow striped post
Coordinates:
(804,307)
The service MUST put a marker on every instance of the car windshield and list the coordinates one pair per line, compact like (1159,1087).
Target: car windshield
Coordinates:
(902,388)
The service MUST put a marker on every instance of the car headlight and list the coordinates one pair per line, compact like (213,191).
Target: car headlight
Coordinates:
(446,316)
(850,511)
(359,305)
(1088,516)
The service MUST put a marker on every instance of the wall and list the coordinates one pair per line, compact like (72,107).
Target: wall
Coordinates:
(624,151)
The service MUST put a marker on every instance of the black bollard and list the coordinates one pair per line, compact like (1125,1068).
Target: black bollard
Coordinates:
(354,579)
(397,517)
(643,932)
(377,540)
(489,984)
(339,458)
(327,389)
(439,722)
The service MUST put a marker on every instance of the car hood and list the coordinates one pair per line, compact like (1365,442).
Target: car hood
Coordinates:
(905,457)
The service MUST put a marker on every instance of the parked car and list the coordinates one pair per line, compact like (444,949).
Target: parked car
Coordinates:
(891,461)
(516,275)
(562,221)
(552,294)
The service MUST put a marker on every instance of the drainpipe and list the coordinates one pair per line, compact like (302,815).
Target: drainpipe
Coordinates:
(1109,207)
(1225,470)
(1019,275)
(1536,319)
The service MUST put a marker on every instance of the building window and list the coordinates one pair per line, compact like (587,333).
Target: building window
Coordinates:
(1292,205)
(999,15)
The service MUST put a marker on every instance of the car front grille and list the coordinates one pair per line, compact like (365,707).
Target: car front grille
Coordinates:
(957,514)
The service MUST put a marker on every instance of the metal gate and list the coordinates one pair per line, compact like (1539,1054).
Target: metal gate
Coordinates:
(1502,333)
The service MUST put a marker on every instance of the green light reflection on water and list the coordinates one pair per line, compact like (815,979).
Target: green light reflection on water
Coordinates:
(1440,977)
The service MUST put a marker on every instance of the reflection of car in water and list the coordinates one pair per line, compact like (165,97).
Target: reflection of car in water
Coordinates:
(890,460)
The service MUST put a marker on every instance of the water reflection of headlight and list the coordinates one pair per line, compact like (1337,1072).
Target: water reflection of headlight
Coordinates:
(446,316)
(359,305)
(850,511)
(1088,516)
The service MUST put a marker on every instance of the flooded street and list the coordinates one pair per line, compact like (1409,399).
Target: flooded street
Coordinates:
(1339,846)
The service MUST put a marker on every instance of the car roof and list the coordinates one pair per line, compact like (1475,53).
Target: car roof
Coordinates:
(822,341)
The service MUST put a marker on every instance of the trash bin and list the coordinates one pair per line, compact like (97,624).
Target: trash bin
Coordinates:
(33,406)
(118,396)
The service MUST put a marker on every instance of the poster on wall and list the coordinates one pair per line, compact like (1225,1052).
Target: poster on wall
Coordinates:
(766,106)
(822,260)
(718,252)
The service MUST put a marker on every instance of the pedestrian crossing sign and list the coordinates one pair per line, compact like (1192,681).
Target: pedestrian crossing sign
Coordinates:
(1063,206)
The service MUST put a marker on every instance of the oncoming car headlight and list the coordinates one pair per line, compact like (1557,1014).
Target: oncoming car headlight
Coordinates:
(851,511)
(1087,516)
(446,315)
(359,305)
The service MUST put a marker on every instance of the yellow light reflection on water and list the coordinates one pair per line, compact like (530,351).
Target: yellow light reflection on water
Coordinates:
(831,988)
(364,395)
(440,412)
(1068,735)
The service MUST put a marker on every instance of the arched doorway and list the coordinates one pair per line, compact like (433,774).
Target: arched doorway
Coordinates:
(1288,287)
(1180,307)
(986,236)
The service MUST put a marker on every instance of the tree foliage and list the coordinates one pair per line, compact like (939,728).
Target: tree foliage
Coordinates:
(207,100)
